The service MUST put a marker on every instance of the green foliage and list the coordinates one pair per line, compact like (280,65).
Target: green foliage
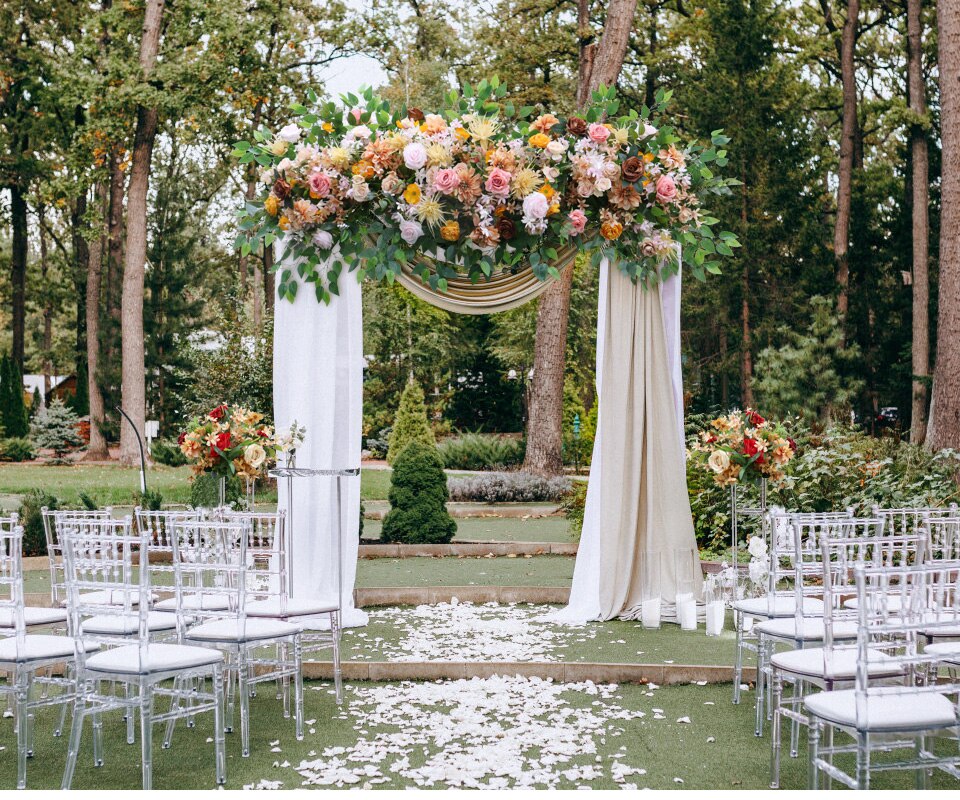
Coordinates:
(812,374)
(573,506)
(150,500)
(34,539)
(508,487)
(168,453)
(481,451)
(205,490)
(418,496)
(411,424)
(13,411)
(19,449)
(80,400)
(55,428)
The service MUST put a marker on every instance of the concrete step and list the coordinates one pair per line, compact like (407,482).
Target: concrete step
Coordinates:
(471,549)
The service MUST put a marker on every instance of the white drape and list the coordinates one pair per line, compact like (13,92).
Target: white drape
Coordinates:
(318,381)
(584,604)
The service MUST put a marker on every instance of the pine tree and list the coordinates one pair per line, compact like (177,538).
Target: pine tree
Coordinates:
(5,383)
(16,421)
(411,424)
(418,496)
(37,403)
(55,428)
(80,401)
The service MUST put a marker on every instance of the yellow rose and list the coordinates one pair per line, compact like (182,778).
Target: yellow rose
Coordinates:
(450,231)
(412,194)
(540,140)
(462,133)
(279,147)
(272,205)
(284,223)
(648,157)
(611,230)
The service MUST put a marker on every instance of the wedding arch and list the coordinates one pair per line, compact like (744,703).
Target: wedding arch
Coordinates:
(475,209)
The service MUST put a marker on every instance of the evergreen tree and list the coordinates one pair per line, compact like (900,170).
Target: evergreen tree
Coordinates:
(55,428)
(411,424)
(5,384)
(418,497)
(80,400)
(16,422)
(37,403)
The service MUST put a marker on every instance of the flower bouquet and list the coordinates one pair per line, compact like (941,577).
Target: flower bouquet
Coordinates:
(744,447)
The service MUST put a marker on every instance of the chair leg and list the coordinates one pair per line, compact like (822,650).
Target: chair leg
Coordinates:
(72,677)
(21,709)
(146,733)
(761,695)
(337,669)
(178,687)
(73,747)
(796,698)
(131,722)
(229,696)
(243,690)
(922,775)
(813,740)
(298,686)
(98,739)
(777,684)
(738,659)
(219,740)
(863,760)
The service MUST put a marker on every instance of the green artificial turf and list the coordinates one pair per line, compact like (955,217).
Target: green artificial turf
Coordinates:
(501,571)
(498,529)
(715,750)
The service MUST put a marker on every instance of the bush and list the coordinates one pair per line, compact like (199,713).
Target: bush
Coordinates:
(150,500)
(378,445)
(481,451)
(168,453)
(55,428)
(573,506)
(508,487)
(411,424)
(17,449)
(418,496)
(205,491)
(34,539)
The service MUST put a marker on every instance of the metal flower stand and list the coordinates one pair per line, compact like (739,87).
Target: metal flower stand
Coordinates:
(318,641)
(736,511)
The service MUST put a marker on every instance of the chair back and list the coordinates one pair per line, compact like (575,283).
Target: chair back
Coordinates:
(907,520)
(11,576)
(158,525)
(210,565)
(58,591)
(266,552)
(103,580)
(943,538)
(927,596)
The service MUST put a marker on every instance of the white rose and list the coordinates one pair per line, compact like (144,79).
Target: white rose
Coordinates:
(414,155)
(758,571)
(757,547)
(360,191)
(648,130)
(255,455)
(361,132)
(266,177)
(557,148)
(290,133)
(719,461)
(323,240)
(603,184)
(410,231)
(535,206)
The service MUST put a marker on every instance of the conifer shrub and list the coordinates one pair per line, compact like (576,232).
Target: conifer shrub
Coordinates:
(418,497)
(34,539)
(411,424)
(55,428)
(18,449)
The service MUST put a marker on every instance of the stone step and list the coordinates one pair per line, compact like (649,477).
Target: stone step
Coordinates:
(468,548)
(377,509)
(431,595)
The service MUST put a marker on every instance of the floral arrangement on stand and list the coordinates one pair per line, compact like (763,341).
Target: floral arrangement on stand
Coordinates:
(480,185)
(743,447)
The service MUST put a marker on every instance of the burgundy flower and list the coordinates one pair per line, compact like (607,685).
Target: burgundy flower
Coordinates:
(506,228)
(281,189)
(416,114)
(221,443)
(754,418)
(632,169)
(182,437)
(577,126)
(217,414)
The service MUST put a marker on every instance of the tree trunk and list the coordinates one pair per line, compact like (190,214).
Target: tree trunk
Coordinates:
(133,380)
(18,270)
(114,265)
(97,451)
(848,79)
(945,405)
(46,341)
(268,290)
(600,63)
(920,165)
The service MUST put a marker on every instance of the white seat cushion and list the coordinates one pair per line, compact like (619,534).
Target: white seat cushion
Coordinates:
(779,606)
(204,602)
(235,630)
(33,615)
(811,630)
(888,709)
(942,632)
(894,603)
(292,607)
(842,664)
(109,597)
(127,624)
(945,651)
(159,658)
(38,647)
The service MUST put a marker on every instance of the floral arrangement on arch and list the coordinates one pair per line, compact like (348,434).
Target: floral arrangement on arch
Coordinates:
(744,446)
(232,440)
(480,185)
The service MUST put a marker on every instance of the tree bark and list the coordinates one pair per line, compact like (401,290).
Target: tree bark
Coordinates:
(46,342)
(600,63)
(114,256)
(18,270)
(133,380)
(945,405)
(848,79)
(920,168)
(97,450)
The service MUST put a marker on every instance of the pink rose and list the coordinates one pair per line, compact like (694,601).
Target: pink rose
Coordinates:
(356,113)
(319,183)
(498,182)
(535,206)
(666,189)
(578,221)
(598,132)
(446,181)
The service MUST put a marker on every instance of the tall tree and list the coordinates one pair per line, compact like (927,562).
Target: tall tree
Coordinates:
(97,449)
(945,405)
(544,454)
(133,381)
(920,176)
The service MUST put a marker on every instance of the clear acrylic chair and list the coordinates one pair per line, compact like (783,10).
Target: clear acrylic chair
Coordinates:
(268,593)
(33,616)
(908,520)
(833,663)
(23,655)
(211,560)
(909,718)
(103,582)
(158,525)
(58,590)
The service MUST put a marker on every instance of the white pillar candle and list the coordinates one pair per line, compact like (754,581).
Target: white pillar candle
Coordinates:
(747,623)
(650,613)
(687,612)
(715,617)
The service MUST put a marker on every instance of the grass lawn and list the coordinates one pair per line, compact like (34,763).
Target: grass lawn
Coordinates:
(715,750)
(116,486)
(498,529)
(501,571)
